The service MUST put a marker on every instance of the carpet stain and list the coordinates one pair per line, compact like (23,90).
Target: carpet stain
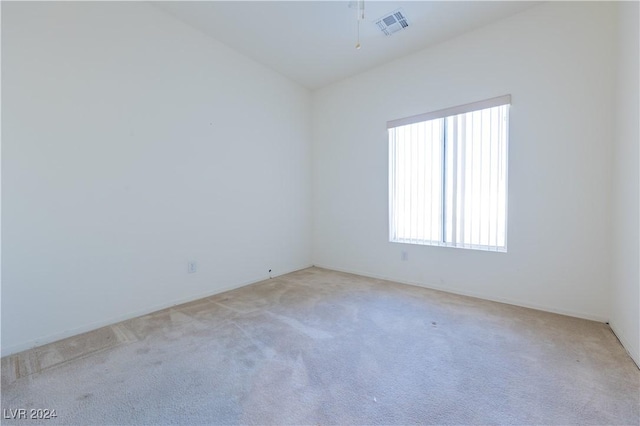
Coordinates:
(314,333)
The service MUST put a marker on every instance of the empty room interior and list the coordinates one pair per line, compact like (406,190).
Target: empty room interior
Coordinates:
(320,212)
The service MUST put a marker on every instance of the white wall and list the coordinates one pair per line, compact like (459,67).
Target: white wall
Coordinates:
(625,309)
(132,144)
(557,62)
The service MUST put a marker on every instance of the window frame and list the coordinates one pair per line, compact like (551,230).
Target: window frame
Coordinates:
(445,113)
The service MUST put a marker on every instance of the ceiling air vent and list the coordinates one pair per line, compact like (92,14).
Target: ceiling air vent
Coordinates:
(393,22)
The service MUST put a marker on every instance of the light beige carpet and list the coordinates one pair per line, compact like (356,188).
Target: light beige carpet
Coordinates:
(322,347)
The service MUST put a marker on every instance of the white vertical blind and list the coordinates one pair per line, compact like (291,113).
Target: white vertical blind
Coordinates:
(448,178)
(416,182)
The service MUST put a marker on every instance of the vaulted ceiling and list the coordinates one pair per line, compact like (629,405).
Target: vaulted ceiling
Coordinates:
(313,42)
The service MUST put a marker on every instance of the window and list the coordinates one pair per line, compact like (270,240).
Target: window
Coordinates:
(448,177)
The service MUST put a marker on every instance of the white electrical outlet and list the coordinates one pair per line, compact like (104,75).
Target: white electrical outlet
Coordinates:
(404,256)
(192,267)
